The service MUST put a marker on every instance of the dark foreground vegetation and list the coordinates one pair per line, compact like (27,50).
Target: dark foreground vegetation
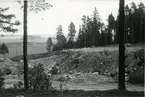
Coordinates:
(70,93)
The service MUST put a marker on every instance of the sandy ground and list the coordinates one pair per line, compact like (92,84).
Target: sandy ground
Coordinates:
(99,86)
(80,86)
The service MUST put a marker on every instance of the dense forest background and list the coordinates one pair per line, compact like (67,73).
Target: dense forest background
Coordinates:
(93,32)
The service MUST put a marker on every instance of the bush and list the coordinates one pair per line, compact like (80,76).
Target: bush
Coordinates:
(7,71)
(136,77)
(54,70)
(18,85)
(55,48)
(1,80)
(38,79)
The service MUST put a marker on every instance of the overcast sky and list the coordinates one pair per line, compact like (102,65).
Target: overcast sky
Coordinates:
(63,12)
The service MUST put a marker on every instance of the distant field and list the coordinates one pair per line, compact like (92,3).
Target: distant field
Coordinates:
(16,49)
(36,46)
(15,46)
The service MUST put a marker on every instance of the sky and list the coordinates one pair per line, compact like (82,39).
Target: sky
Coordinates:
(63,12)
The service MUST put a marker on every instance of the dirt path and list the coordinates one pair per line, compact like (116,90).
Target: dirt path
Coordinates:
(78,86)
(99,86)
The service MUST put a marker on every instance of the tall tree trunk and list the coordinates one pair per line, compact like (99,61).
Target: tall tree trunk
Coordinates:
(143,30)
(25,47)
(121,47)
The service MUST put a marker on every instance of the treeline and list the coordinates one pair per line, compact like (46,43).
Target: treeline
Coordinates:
(134,24)
(93,32)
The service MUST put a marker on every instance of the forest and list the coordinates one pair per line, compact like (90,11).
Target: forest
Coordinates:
(93,32)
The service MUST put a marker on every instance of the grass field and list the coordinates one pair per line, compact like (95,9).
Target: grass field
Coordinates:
(16,48)
(15,45)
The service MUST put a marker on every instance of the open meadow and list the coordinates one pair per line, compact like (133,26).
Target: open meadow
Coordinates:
(15,46)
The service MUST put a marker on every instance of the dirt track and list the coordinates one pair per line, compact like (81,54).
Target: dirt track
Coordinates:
(78,86)
(99,86)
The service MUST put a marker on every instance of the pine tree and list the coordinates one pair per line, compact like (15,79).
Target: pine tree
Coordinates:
(89,32)
(84,32)
(4,49)
(49,44)
(116,31)
(134,24)
(36,6)
(140,20)
(95,28)
(61,40)
(6,21)
(80,39)
(126,31)
(102,39)
(111,27)
(103,35)
(71,35)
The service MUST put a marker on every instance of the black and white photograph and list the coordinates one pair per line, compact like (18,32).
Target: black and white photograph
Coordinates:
(72,48)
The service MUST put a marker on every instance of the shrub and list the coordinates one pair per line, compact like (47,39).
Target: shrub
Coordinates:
(55,47)
(1,80)
(54,70)
(49,44)
(136,77)
(38,79)
(18,85)
(7,71)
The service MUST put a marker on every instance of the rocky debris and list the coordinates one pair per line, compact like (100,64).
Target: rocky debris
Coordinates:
(21,61)
(7,64)
(96,73)
(103,62)
(94,63)
(19,85)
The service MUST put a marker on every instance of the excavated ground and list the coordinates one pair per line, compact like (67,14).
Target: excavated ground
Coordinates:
(89,68)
